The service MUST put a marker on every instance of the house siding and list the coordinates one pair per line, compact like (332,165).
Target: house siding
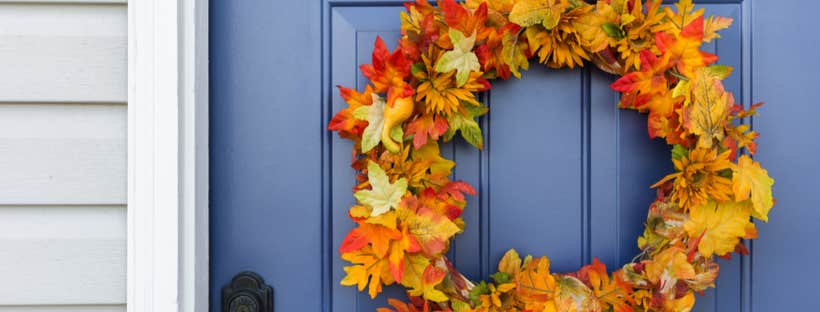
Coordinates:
(63,139)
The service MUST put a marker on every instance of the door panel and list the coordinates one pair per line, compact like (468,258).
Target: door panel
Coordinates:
(564,173)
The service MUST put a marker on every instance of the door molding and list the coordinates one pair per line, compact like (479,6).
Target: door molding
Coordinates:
(167,155)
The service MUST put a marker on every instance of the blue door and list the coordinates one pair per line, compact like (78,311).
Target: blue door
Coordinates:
(280,183)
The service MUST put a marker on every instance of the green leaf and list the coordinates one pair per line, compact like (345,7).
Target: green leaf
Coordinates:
(501,277)
(479,289)
(719,71)
(613,31)
(467,125)
(382,195)
(679,152)
(461,58)
(459,306)
(374,115)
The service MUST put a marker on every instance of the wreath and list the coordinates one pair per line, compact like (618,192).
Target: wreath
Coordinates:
(408,209)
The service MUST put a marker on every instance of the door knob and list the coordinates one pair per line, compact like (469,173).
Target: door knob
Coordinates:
(247,292)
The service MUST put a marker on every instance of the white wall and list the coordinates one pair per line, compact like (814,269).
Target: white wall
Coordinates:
(63,145)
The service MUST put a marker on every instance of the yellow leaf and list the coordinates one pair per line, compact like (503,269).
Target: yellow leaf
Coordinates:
(510,263)
(720,226)
(527,13)
(368,270)
(751,181)
(591,27)
(712,24)
(708,110)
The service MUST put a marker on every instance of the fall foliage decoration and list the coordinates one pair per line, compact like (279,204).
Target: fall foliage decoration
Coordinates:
(425,91)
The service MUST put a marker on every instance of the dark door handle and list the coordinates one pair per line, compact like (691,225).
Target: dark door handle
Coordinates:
(247,292)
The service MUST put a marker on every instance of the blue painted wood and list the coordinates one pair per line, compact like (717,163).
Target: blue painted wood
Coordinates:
(564,172)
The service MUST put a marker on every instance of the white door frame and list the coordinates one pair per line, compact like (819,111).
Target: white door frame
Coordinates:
(167,155)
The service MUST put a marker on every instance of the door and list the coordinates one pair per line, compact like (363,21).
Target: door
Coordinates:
(280,183)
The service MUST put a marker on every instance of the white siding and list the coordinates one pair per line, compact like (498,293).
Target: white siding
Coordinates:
(63,88)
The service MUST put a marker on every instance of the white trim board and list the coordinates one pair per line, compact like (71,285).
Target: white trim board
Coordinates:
(167,155)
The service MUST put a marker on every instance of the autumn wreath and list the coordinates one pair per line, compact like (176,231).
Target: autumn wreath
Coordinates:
(408,209)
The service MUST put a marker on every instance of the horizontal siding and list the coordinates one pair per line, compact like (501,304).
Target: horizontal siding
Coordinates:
(62,154)
(62,255)
(63,53)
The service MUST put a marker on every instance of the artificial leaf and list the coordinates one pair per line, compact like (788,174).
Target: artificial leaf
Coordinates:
(439,91)
(398,248)
(461,58)
(712,25)
(709,109)
(424,127)
(611,292)
(468,126)
(750,181)
(374,115)
(383,195)
(432,230)
(510,263)
(547,13)
(461,19)
(685,14)
(421,278)
(368,270)
(646,89)
(536,285)
(388,71)
(344,121)
(682,50)
(378,236)
(572,295)
(598,29)
(720,226)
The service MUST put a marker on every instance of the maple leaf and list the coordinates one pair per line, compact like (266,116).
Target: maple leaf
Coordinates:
(383,195)
(378,236)
(750,181)
(425,126)
(388,71)
(646,88)
(467,125)
(612,292)
(421,277)
(461,58)
(547,13)
(344,121)
(683,50)
(398,248)
(459,18)
(720,226)
(431,229)
(708,111)
(369,271)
